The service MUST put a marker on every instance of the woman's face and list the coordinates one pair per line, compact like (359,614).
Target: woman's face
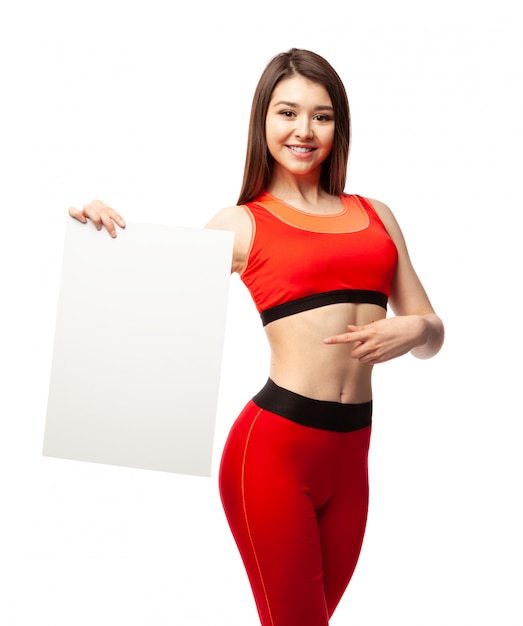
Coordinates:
(300,125)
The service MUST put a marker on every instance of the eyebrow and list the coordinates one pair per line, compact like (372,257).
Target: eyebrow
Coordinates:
(295,105)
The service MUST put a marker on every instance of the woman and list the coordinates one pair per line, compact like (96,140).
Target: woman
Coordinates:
(321,266)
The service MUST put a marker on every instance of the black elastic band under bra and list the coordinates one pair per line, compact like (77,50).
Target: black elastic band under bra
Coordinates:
(358,296)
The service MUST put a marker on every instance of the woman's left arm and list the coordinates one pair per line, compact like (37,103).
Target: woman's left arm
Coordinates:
(415,328)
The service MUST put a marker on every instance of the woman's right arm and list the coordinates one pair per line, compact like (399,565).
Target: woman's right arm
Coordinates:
(233,218)
(100,214)
(238,220)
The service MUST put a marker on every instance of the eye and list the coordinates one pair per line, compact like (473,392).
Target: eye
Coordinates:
(287,113)
(322,117)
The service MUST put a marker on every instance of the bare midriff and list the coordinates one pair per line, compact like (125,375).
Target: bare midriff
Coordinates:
(303,363)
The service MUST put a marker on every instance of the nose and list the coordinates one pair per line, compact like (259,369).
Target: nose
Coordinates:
(303,128)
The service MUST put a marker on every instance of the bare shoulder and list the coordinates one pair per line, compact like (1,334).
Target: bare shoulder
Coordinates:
(236,219)
(387,217)
(229,218)
(383,210)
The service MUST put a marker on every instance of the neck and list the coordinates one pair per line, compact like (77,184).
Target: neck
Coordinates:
(305,189)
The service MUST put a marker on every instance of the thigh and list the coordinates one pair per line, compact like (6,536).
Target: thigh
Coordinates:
(343,519)
(273,520)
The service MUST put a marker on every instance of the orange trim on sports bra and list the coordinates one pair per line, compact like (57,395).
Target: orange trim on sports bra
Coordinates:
(350,219)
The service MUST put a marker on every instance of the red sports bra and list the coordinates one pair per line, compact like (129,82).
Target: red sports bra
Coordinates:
(299,261)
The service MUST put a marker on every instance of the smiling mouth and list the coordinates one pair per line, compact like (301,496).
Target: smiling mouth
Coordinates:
(301,149)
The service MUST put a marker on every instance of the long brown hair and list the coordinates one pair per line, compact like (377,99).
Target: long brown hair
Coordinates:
(258,161)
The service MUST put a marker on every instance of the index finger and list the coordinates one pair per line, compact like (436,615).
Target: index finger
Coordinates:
(352,336)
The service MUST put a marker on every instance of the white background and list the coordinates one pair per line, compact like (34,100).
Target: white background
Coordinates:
(145,105)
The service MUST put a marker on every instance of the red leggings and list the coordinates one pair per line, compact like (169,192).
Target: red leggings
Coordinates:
(296,499)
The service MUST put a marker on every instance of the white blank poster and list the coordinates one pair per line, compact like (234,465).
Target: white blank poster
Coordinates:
(138,347)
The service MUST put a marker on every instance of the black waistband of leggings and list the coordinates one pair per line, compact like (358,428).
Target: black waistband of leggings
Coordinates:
(323,414)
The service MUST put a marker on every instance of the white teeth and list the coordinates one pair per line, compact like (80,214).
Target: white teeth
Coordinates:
(298,149)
